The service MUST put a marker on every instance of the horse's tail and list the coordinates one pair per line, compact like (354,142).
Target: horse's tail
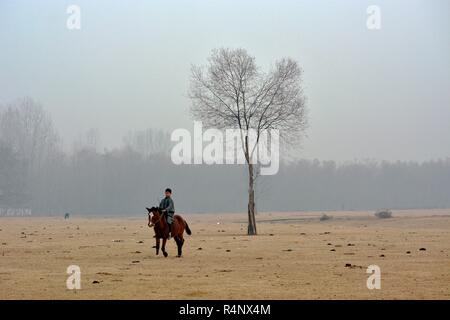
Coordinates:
(188,230)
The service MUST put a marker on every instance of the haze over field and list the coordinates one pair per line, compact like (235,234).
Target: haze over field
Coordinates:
(371,94)
(112,92)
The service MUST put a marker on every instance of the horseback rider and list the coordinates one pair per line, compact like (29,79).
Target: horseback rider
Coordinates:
(168,208)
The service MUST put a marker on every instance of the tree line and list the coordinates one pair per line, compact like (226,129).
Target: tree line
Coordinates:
(36,173)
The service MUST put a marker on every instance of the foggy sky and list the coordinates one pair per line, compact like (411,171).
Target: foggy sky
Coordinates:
(371,94)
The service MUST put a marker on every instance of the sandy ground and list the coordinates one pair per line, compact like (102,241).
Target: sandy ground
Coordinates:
(295,256)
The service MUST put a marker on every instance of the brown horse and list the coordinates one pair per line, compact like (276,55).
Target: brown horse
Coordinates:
(157,220)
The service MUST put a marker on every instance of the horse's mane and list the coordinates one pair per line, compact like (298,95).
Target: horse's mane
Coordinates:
(153,209)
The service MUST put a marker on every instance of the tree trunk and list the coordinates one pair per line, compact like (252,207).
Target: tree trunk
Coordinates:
(251,202)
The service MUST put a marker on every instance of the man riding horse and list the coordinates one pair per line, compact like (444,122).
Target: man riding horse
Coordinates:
(168,208)
(173,224)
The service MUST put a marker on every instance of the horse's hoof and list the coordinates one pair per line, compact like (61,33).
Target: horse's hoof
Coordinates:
(179,256)
(165,254)
(157,253)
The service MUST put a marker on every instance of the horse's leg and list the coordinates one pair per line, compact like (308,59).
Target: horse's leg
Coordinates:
(157,245)
(179,244)
(164,247)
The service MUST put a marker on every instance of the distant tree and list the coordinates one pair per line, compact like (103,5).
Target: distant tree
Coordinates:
(90,140)
(12,179)
(232,92)
(148,142)
(27,129)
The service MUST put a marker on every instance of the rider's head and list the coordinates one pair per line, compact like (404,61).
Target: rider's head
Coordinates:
(168,192)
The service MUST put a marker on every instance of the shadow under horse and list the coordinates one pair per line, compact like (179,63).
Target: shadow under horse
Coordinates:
(157,220)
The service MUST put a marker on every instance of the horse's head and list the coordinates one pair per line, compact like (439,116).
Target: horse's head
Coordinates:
(154,215)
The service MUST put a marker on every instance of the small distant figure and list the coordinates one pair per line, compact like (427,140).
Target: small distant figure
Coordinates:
(66,216)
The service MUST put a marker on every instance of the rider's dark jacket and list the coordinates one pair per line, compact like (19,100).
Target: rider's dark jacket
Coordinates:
(168,208)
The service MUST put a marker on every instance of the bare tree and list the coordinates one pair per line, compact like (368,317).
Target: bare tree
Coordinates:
(232,92)
(148,142)
(88,141)
(28,129)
